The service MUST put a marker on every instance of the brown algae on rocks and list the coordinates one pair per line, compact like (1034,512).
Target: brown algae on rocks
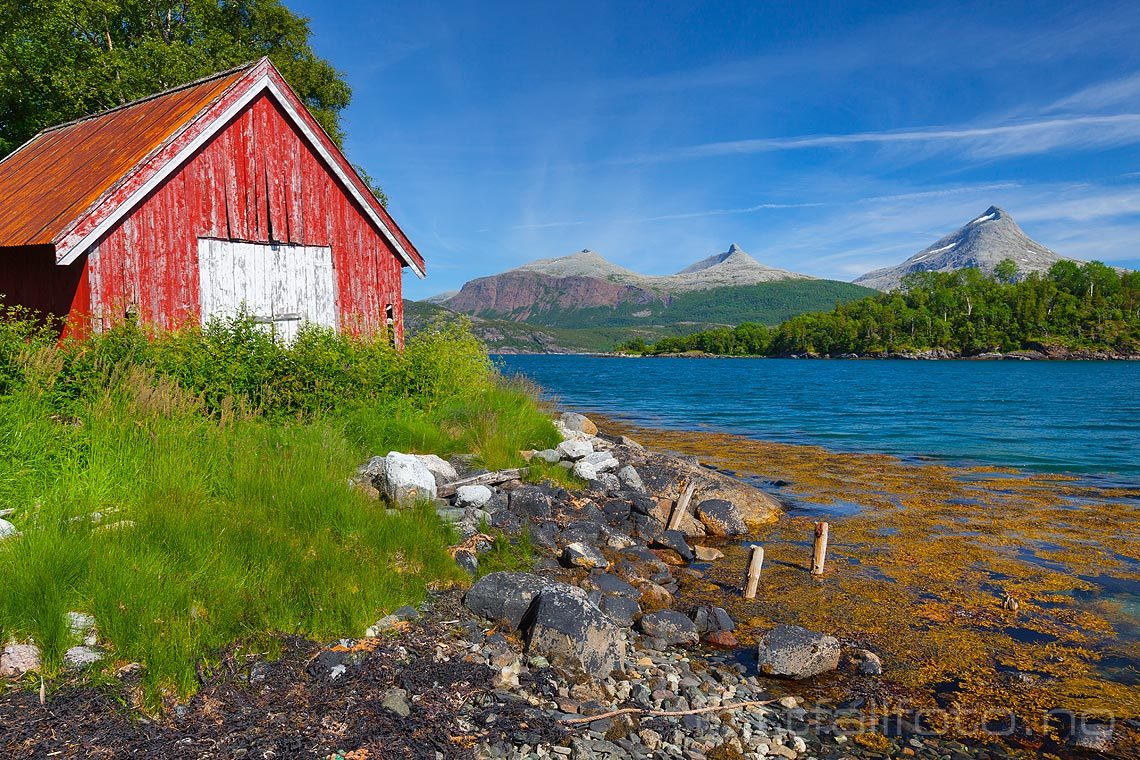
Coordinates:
(980,588)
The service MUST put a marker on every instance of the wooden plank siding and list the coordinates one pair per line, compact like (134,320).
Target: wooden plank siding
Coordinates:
(258,180)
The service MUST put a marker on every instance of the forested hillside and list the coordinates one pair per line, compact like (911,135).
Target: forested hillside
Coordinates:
(1072,307)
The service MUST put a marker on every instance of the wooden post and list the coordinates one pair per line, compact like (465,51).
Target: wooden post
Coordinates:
(682,507)
(754,566)
(819,552)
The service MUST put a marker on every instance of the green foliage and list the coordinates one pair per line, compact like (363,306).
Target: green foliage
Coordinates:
(189,488)
(1075,306)
(63,59)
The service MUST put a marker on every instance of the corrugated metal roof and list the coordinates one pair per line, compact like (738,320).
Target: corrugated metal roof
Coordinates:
(57,175)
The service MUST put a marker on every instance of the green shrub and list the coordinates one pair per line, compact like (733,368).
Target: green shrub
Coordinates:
(189,488)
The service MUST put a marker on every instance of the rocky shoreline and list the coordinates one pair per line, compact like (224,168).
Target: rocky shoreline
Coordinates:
(590,653)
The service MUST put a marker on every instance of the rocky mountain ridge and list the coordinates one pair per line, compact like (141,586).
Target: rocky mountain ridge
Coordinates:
(586,280)
(981,243)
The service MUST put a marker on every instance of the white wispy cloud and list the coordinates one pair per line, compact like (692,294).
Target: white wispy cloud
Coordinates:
(719,212)
(1115,92)
(1025,138)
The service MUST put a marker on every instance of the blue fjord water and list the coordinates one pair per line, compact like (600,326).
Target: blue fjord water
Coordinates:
(1077,417)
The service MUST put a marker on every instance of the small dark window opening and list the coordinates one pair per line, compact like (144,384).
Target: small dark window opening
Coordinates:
(390,323)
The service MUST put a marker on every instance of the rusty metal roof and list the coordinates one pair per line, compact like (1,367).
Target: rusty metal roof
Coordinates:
(57,175)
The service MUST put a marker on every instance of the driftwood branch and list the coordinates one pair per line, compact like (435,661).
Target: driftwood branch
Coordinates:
(682,507)
(486,479)
(668,713)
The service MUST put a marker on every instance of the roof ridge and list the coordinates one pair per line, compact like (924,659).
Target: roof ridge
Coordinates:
(147,98)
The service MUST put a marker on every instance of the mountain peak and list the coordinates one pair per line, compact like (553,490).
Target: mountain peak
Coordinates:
(584,263)
(734,248)
(981,243)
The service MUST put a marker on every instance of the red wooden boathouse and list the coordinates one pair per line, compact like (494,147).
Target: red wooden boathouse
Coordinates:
(215,196)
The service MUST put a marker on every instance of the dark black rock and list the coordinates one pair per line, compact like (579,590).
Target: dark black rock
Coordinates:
(505,597)
(669,626)
(573,634)
(621,609)
(534,501)
(675,540)
(721,518)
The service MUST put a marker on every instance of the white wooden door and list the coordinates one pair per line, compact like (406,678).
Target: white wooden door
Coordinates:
(280,286)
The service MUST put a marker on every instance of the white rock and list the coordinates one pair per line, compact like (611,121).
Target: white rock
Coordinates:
(472,496)
(575,448)
(18,659)
(585,471)
(603,461)
(441,469)
(81,657)
(7,530)
(405,479)
(798,744)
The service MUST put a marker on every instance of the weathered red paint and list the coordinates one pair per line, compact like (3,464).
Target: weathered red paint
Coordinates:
(255,179)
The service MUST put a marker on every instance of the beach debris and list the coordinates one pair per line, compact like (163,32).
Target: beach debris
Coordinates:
(495,478)
(1010,603)
(681,510)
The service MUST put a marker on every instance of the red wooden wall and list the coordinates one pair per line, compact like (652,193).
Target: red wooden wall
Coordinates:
(257,180)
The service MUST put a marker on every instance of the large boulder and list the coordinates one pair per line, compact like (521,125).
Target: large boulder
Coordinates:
(790,651)
(505,597)
(443,471)
(404,478)
(577,423)
(573,634)
(721,518)
(670,626)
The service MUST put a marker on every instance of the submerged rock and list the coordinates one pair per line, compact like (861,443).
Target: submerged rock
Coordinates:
(791,651)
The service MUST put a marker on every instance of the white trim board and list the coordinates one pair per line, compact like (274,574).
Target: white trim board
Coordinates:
(265,83)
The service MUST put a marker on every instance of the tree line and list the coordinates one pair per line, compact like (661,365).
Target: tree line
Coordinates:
(1073,306)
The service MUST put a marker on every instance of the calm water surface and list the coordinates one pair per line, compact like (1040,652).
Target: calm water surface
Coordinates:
(1081,417)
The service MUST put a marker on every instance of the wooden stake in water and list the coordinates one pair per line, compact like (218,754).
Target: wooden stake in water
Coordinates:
(682,507)
(754,566)
(819,552)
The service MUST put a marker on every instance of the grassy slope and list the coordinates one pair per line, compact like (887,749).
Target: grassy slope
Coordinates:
(600,329)
(228,487)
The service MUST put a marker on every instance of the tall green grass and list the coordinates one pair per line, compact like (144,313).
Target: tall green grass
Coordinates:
(190,489)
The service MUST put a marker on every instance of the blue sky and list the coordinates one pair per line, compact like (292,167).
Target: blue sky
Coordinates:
(827,138)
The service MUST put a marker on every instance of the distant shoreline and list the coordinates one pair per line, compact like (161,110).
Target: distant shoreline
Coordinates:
(1036,356)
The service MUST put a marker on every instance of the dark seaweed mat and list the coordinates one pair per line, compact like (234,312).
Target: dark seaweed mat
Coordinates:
(288,708)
